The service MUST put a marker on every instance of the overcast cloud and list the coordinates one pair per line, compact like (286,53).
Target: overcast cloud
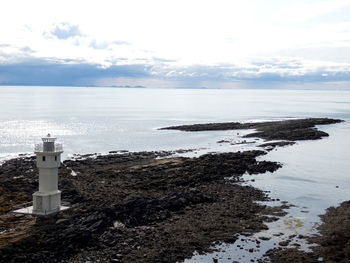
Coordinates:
(170,43)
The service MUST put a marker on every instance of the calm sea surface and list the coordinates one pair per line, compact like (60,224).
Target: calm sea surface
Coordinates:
(315,175)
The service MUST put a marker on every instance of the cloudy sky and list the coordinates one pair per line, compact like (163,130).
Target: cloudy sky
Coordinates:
(182,43)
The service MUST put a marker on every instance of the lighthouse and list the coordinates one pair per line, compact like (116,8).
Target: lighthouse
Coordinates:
(47,200)
(48,158)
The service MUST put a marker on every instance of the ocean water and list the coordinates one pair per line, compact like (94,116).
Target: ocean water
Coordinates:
(90,120)
(315,174)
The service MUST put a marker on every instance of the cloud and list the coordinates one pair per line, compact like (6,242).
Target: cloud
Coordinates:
(43,72)
(167,74)
(263,69)
(236,30)
(261,40)
(65,31)
(103,45)
(307,11)
(12,54)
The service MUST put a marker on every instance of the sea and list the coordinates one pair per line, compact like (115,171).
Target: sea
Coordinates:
(315,174)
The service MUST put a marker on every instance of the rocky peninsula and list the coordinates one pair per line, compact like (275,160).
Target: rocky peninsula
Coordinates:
(145,206)
(291,130)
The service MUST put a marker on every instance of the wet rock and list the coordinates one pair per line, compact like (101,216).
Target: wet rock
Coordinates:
(291,130)
(333,245)
(265,238)
(159,202)
(142,211)
(223,141)
(272,145)
(284,243)
(62,221)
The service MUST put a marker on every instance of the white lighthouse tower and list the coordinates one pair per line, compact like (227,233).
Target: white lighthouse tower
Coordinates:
(48,158)
(47,200)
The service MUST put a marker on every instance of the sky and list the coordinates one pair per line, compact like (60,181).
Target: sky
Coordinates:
(168,43)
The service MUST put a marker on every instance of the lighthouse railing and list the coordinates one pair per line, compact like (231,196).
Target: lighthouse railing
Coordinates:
(58,147)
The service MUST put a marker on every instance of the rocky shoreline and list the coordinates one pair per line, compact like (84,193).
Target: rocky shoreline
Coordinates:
(333,241)
(133,207)
(143,206)
(290,130)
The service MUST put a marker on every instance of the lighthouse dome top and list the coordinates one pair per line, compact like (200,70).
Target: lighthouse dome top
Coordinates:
(48,138)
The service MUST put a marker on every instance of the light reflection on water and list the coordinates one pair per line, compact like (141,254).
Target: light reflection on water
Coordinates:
(315,174)
(104,119)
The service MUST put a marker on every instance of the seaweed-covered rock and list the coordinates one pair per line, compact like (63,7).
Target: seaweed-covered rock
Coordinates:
(292,130)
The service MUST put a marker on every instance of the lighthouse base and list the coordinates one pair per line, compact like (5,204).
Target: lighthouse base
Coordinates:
(44,203)
(29,211)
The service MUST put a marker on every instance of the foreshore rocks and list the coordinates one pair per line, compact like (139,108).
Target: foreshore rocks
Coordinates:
(332,244)
(292,130)
(268,146)
(18,179)
(135,207)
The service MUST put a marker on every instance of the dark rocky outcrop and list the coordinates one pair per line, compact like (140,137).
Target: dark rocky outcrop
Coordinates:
(135,207)
(272,145)
(292,130)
